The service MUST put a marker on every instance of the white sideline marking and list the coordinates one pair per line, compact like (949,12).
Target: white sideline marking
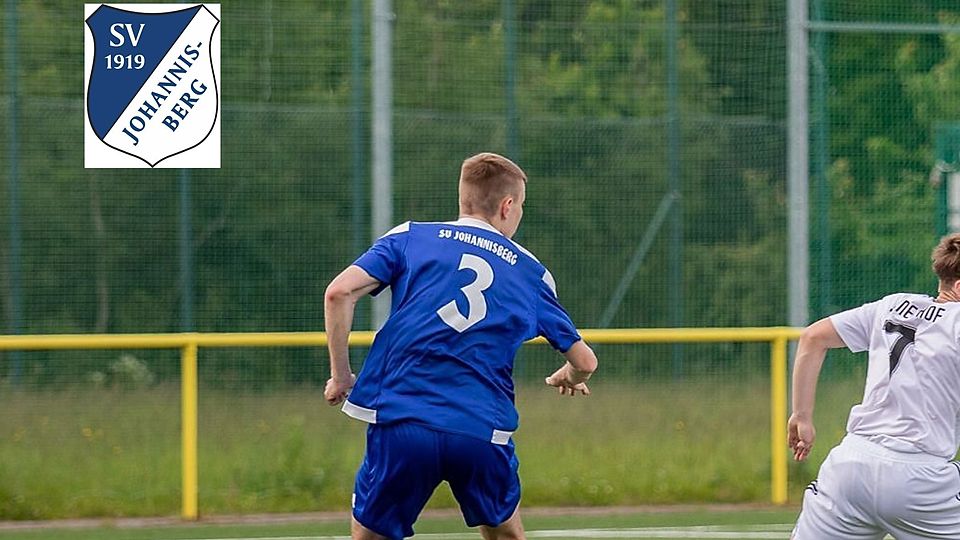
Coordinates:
(749,532)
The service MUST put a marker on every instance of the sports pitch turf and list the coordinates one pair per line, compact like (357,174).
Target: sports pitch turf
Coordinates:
(691,525)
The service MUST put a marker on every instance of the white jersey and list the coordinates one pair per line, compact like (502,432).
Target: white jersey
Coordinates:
(911,401)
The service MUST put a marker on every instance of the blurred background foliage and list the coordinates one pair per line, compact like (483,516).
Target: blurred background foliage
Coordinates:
(578,93)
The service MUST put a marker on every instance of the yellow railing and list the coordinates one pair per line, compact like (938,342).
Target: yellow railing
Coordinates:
(188,343)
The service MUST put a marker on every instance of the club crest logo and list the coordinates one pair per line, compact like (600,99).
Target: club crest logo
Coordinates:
(152,93)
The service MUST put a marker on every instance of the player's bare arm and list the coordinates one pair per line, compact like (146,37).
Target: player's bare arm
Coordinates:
(573,375)
(814,343)
(339,302)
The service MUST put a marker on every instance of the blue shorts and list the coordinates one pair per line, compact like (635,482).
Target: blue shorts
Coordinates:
(405,463)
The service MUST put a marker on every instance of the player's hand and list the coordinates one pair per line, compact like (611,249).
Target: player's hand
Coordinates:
(800,436)
(337,389)
(562,380)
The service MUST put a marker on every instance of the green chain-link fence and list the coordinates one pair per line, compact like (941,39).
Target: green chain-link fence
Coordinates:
(654,137)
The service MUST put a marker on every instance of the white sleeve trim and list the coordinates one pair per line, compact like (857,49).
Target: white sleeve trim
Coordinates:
(548,279)
(401,228)
(525,251)
(360,413)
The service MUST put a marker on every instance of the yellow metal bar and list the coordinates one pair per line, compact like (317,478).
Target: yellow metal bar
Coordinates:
(309,339)
(189,427)
(174,341)
(679,335)
(778,420)
(278,339)
(94,341)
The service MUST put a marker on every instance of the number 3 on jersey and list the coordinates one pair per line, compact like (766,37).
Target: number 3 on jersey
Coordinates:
(476,303)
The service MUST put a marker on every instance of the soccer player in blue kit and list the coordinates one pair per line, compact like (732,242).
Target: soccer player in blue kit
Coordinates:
(436,386)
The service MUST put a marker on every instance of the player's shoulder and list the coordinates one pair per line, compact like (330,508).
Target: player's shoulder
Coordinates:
(422,226)
(411,227)
(894,299)
(529,254)
(910,305)
(873,310)
(540,270)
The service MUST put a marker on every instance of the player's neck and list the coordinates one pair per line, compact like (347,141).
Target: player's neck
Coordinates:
(481,218)
(947,295)
(492,222)
(477,217)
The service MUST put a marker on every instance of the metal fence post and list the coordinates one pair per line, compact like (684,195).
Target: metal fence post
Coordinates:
(778,419)
(189,429)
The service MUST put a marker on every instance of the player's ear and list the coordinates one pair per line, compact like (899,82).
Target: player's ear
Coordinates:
(506,205)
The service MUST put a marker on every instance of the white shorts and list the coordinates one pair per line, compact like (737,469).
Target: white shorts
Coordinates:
(865,491)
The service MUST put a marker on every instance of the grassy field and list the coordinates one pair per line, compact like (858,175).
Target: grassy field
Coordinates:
(112,452)
(697,524)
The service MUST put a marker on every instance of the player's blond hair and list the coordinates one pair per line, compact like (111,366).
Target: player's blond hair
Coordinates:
(946,259)
(485,179)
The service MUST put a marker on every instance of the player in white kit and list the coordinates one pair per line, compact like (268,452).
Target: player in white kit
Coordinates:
(892,473)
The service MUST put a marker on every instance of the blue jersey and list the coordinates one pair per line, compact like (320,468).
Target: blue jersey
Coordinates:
(465,298)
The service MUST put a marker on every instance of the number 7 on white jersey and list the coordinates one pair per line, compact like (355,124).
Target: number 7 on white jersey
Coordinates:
(476,303)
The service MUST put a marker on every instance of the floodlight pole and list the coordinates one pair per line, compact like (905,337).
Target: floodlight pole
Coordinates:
(381,215)
(798,166)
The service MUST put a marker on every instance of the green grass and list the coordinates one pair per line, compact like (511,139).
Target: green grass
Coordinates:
(102,452)
(729,520)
